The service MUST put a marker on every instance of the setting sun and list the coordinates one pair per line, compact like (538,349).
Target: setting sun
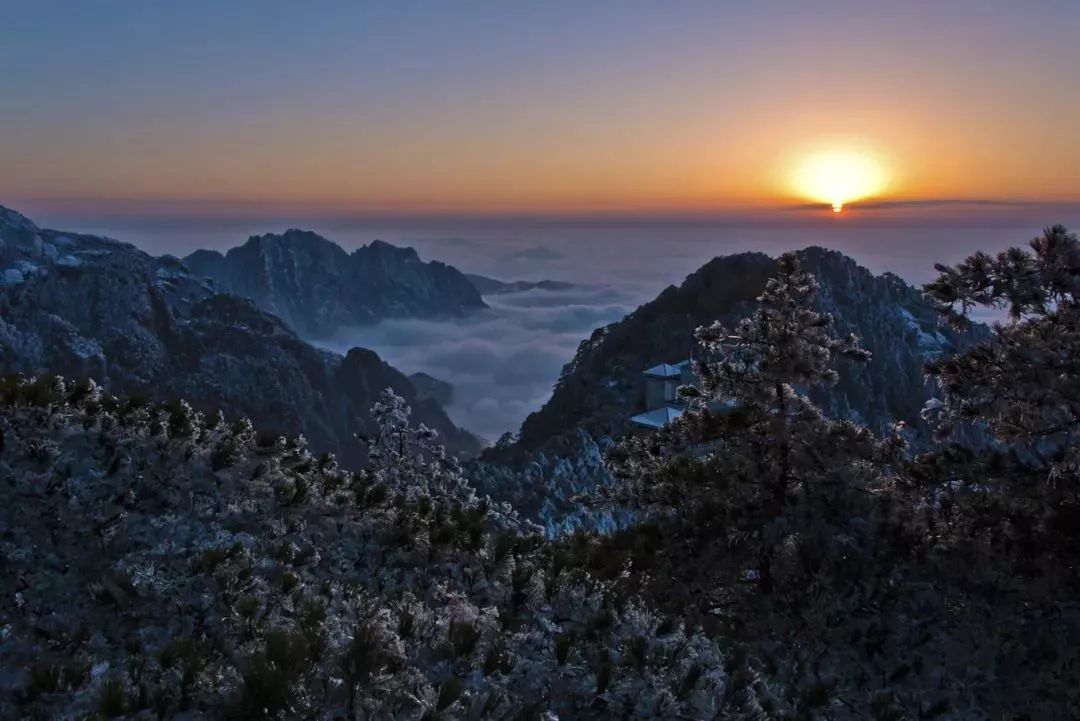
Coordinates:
(838,177)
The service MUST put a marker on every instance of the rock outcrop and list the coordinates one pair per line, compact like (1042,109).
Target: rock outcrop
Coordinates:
(316,287)
(90,307)
(602,386)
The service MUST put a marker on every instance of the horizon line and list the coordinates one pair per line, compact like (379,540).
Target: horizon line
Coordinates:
(181,212)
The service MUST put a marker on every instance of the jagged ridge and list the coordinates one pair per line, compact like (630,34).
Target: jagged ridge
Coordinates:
(491,286)
(316,287)
(559,449)
(85,306)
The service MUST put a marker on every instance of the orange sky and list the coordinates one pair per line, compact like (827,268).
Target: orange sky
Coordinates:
(625,106)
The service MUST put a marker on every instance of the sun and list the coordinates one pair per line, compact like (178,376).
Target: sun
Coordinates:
(838,177)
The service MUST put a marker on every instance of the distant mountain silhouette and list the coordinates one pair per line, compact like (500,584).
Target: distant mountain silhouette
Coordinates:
(317,287)
(491,286)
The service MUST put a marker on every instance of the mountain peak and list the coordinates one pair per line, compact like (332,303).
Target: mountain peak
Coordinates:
(15,220)
(316,287)
(383,249)
(292,241)
(893,320)
(81,306)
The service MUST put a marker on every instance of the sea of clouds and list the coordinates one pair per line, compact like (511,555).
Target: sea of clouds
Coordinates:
(504,361)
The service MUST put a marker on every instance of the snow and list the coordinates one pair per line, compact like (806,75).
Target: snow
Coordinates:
(930,343)
(658,417)
(170,273)
(85,348)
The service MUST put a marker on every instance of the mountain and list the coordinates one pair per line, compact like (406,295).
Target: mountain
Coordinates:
(491,286)
(83,306)
(428,386)
(559,449)
(316,287)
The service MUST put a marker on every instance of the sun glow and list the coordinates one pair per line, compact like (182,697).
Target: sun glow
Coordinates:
(838,177)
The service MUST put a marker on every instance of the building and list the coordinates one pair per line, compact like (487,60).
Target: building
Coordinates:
(662,403)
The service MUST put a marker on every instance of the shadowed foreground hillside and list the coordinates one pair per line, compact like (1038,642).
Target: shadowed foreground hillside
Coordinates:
(160,564)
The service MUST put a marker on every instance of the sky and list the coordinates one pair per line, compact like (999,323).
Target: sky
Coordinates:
(615,145)
(555,107)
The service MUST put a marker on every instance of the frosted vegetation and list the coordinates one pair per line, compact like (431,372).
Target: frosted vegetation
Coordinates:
(162,563)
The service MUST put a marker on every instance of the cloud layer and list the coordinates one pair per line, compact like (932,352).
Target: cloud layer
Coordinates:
(505,362)
(502,362)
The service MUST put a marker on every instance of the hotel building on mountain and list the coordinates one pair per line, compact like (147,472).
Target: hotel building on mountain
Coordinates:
(662,404)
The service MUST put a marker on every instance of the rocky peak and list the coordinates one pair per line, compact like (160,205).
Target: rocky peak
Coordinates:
(20,237)
(83,306)
(382,249)
(601,387)
(13,220)
(301,244)
(317,288)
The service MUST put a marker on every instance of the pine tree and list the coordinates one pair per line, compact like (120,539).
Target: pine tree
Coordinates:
(1002,520)
(1025,381)
(754,460)
(771,517)
(409,459)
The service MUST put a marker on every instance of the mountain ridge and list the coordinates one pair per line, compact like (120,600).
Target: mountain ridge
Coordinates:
(492,286)
(89,307)
(317,287)
(558,453)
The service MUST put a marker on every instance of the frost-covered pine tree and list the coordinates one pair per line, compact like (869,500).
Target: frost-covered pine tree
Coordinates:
(210,572)
(754,461)
(1025,381)
(409,459)
(1003,520)
(769,515)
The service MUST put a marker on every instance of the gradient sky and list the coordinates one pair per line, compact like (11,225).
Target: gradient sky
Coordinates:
(529,106)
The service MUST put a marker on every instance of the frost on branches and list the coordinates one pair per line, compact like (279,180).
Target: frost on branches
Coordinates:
(767,514)
(161,563)
(1025,381)
(784,342)
(410,459)
(754,461)
(872,584)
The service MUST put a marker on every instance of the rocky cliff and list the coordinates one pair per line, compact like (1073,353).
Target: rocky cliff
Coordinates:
(316,287)
(84,306)
(555,454)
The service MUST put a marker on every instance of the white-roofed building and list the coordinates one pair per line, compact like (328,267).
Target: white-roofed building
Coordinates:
(657,417)
(662,404)
(662,383)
